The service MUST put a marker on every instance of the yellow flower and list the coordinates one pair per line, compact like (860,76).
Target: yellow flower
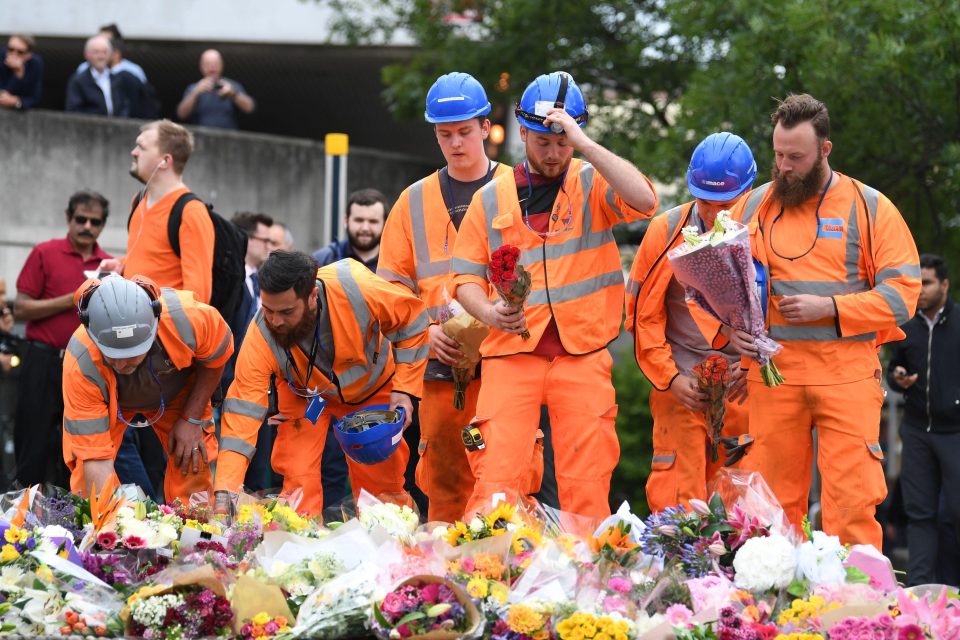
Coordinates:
(191,524)
(503,513)
(620,636)
(12,535)
(601,636)
(261,618)
(211,527)
(526,538)
(499,592)
(44,573)
(477,588)
(8,553)
(455,532)
(488,566)
(523,619)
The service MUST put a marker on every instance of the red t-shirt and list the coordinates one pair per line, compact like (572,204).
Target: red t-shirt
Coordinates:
(54,268)
(550,344)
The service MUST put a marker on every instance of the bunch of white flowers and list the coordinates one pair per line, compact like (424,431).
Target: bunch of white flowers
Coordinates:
(765,563)
(151,612)
(158,529)
(819,560)
(399,521)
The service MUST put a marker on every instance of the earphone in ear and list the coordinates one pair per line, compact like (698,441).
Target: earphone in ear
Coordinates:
(163,163)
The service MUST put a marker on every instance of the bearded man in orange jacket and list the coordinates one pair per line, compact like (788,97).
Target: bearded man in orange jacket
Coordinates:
(337,339)
(842,273)
(559,212)
(668,337)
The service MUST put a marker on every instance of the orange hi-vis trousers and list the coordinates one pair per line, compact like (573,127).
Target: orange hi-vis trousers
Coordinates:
(175,484)
(582,405)
(298,449)
(849,457)
(682,464)
(443,472)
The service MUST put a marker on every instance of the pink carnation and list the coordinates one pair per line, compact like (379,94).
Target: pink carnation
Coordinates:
(620,585)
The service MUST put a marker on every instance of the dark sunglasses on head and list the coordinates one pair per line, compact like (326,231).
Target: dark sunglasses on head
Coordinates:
(22,52)
(82,220)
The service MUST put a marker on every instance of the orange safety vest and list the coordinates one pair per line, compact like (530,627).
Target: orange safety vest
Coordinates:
(576,275)
(873,279)
(418,240)
(646,294)
(365,313)
(190,332)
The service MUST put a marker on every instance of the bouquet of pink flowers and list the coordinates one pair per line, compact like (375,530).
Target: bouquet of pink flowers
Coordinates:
(425,606)
(717,271)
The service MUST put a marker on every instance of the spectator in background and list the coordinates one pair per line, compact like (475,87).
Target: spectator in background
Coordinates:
(117,62)
(366,214)
(213,101)
(99,91)
(257,227)
(280,237)
(50,276)
(924,368)
(6,326)
(21,74)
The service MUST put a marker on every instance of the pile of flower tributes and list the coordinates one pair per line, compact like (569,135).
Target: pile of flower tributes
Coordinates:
(118,565)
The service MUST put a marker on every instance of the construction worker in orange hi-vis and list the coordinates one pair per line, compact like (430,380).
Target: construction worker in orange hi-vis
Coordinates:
(415,252)
(559,212)
(142,357)
(842,273)
(336,339)
(668,331)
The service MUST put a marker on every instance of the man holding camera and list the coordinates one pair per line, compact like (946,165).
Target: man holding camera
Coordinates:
(45,287)
(214,100)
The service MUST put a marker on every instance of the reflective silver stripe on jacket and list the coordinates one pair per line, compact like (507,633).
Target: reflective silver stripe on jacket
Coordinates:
(245,408)
(409,356)
(753,201)
(237,445)
(822,334)
(418,224)
(633,287)
(611,197)
(374,366)
(87,427)
(576,290)
(491,206)
(222,349)
(278,353)
(674,218)
(180,320)
(393,276)
(823,288)
(419,324)
(460,265)
(89,370)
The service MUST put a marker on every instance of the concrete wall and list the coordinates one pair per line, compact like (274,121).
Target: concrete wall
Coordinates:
(48,155)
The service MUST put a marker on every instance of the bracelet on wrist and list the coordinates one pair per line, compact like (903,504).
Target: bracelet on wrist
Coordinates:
(199,423)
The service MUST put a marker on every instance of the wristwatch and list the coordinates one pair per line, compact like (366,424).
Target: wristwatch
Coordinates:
(199,423)
(19,104)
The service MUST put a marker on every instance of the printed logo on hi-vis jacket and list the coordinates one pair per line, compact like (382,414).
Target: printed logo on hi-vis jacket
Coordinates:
(831,228)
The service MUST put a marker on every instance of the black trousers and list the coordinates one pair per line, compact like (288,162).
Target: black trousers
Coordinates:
(37,432)
(930,481)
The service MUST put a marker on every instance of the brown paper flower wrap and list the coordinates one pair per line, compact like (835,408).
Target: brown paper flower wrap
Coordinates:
(469,332)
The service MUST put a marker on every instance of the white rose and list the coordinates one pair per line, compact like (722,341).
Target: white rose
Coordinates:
(476,525)
(767,563)
(166,533)
(818,560)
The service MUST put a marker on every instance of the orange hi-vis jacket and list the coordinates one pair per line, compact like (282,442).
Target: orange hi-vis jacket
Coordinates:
(418,240)
(366,315)
(190,332)
(576,275)
(863,257)
(646,295)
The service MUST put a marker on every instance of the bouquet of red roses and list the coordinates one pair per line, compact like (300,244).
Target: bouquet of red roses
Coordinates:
(713,377)
(509,278)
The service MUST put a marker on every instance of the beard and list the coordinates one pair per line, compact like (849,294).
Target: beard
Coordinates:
(364,242)
(548,171)
(799,189)
(299,333)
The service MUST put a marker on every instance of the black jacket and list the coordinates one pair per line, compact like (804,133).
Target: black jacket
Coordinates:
(126,93)
(934,355)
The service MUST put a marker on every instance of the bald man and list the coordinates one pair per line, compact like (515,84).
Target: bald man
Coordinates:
(214,100)
(96,90)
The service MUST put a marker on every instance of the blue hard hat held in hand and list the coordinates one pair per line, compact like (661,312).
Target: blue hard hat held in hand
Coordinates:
(721,168)
(370,435)
(456,97)
(548,91)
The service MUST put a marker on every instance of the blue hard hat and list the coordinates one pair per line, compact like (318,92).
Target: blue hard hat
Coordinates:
(721,168)
(371,434)
(557,89)
(456,97)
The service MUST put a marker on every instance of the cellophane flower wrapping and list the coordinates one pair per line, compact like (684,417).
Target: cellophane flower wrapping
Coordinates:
(509,279)
(716,270)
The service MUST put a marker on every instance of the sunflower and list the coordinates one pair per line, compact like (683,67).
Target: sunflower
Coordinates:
(501,516)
